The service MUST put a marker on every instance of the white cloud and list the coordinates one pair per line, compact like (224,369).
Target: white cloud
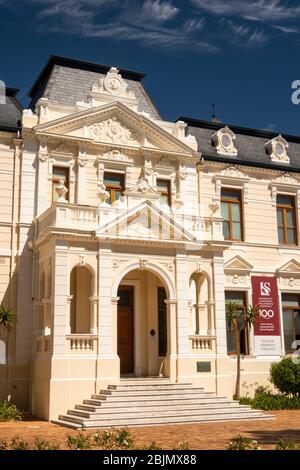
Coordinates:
(286,29)
(255,10)
(237,31)
(193,24)
(159,10)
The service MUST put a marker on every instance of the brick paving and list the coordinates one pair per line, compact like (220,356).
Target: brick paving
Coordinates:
(207,436)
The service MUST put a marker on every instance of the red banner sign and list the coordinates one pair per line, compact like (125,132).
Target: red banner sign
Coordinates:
(265,296)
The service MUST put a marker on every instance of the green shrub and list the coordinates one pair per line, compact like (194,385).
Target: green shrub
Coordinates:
(285,375)
(9,412)
(3,445)
(243,443)
(264,399)
(79,442)
(18,444)
(41,444)
(116,439)
(287,445)
(152,446)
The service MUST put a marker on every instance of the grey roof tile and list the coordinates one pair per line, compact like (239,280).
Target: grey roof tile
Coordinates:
(11,111)
(251,149)
(68,85)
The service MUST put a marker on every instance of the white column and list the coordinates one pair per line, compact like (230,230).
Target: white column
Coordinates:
(182,284)
(60,297)
(172,339)
(219,297)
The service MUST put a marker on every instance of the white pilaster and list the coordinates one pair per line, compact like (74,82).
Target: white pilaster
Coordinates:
(80,187)
(182,284)
(219,295)
(60,298)
(106,320)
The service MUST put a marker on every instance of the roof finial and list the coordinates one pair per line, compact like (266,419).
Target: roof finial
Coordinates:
(213,112)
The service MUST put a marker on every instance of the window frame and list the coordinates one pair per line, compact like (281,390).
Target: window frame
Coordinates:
(56,180)
(230,202)
(245,332)
(169,190)
(114,188)
(283,308)
(285,227)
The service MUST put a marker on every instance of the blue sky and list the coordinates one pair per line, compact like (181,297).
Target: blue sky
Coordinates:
(241,55)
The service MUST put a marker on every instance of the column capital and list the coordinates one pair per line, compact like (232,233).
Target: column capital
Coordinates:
(170,301)
(115,300)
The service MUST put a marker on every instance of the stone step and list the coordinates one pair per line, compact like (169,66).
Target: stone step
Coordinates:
(67,424)
(149,401)
(161,387)
(103,415)
(152,393)
(135,421)
(213,403)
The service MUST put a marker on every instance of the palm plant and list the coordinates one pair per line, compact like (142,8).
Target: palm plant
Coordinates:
(7,323)
(240,316)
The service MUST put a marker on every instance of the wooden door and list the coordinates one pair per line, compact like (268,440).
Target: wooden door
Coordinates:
(126,329)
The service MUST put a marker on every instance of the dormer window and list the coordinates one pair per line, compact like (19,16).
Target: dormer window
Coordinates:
(277,149)
(223,141)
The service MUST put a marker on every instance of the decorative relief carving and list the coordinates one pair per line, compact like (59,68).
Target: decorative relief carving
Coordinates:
(143,263)
(168,162)
(232,172)
(103,194)
(224,141)
(169,266)
(62,149)
(277,149)
(116,155)
(235,279)
(82,260)
(113,131)
(289,282)
(61,191)
(143,186)
(286,178)
(113,84)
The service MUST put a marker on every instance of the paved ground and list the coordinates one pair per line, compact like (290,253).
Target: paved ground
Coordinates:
(199,436)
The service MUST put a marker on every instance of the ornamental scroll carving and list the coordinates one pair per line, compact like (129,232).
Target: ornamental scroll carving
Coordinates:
(112,130)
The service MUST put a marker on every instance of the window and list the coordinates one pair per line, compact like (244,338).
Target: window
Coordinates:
(162,322)
(114,183)
(291,320)
(164,188)
(240,298)
(286,220)
(231,209)
(59,173)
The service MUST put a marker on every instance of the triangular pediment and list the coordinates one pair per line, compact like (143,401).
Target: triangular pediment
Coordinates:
(238,264)
(145,222)
(292,267)
(115,124)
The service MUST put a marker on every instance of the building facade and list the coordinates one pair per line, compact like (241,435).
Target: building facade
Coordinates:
(124,234)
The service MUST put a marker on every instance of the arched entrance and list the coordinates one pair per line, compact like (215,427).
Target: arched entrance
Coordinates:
(143,336)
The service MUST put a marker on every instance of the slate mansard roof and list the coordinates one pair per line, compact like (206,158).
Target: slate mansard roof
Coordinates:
(10,111)
(250,145)
(66,81)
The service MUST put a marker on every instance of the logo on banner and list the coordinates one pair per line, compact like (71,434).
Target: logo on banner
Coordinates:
(265,288)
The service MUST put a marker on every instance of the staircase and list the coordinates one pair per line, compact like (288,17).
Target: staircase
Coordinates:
(145,402)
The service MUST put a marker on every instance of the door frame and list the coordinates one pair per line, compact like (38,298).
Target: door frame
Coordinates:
(137,353)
